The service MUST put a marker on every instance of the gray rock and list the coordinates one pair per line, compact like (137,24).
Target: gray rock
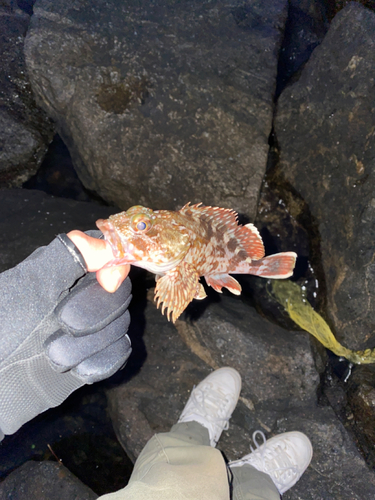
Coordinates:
(325,127)
(30,219)
(278,394)
(25,130)
(279,376)
(161,103)
(359,405)
(305,28)
(43,481)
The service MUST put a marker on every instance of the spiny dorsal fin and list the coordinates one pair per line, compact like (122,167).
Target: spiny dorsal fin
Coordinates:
(217,215)
(251,241)
(224,220)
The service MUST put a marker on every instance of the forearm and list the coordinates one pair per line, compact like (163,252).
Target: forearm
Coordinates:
(58,329)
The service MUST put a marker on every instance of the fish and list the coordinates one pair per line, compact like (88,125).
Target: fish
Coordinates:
(180,247)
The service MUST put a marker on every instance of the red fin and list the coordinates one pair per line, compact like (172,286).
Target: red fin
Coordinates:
(218,281)
(221,216)
(277,266)
(251,241)
(176,289)
(223,221)
(200,294)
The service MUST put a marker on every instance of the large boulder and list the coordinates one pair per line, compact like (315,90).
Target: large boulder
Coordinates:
(161,103)
(30,219)
(279,389)
(325,126)
(25,130)
(280,381)
(43,481)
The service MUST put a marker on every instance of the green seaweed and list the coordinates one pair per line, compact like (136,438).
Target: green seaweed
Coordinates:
(290,296)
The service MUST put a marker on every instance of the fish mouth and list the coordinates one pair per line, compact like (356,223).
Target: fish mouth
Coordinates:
(111,235)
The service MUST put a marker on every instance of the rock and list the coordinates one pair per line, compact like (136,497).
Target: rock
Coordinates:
(25,130)
(279,376)
(325,126)
(57,176)
(361,402)
(281,232)
(278,394)
(43,481)
(30,219)
(161,103)
(304,30)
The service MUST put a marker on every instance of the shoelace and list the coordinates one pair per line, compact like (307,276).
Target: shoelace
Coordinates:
(281,459)
(212,405)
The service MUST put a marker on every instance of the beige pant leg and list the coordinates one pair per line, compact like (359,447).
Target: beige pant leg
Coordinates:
(250,484)
(177,465)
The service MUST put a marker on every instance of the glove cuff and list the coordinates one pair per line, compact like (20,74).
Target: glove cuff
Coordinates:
(73,250)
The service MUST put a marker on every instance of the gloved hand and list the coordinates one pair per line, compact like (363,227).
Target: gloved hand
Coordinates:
(59,330)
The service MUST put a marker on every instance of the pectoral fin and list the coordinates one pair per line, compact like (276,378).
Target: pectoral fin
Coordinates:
(218,281)
(176,289)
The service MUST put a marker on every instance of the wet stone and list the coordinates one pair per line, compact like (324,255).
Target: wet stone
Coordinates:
(171,100)
(25,130)
(279,389)
(43,481)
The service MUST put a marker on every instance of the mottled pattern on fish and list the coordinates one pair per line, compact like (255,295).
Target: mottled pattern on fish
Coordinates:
(180,247)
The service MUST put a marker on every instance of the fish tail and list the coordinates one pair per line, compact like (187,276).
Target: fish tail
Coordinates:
(277,266)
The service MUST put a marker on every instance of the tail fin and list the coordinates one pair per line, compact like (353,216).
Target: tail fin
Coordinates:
(277,266)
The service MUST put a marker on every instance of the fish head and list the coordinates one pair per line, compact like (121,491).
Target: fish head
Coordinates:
(153,240)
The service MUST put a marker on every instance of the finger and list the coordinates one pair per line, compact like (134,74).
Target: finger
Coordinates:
(96,252)
(111,278)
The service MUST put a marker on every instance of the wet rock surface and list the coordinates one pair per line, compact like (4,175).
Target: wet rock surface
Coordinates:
(325,129)
(25,130)
(305,28)
(30,218)
(325,140)
(279,390)
(159,103)
(280,380)
(350,392)
(318,201)
(43,480)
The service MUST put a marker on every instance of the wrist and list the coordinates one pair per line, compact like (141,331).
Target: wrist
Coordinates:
(96,252)
(73,250)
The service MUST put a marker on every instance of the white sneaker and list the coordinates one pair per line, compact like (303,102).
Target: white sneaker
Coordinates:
(212,402)
(284,457)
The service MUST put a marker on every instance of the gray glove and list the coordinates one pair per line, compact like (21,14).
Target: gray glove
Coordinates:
(59,330)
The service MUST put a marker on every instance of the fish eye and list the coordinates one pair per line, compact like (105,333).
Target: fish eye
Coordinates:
(141,223)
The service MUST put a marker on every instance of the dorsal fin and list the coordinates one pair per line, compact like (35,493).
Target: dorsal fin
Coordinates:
(219,216)
(225,220)
(251,241)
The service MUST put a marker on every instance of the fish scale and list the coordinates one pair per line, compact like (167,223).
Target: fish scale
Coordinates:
(181,246)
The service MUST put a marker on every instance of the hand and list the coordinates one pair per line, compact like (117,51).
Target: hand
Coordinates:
(59,329)
(97,253)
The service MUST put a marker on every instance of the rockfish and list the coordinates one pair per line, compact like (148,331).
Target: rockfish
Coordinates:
(179,247)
